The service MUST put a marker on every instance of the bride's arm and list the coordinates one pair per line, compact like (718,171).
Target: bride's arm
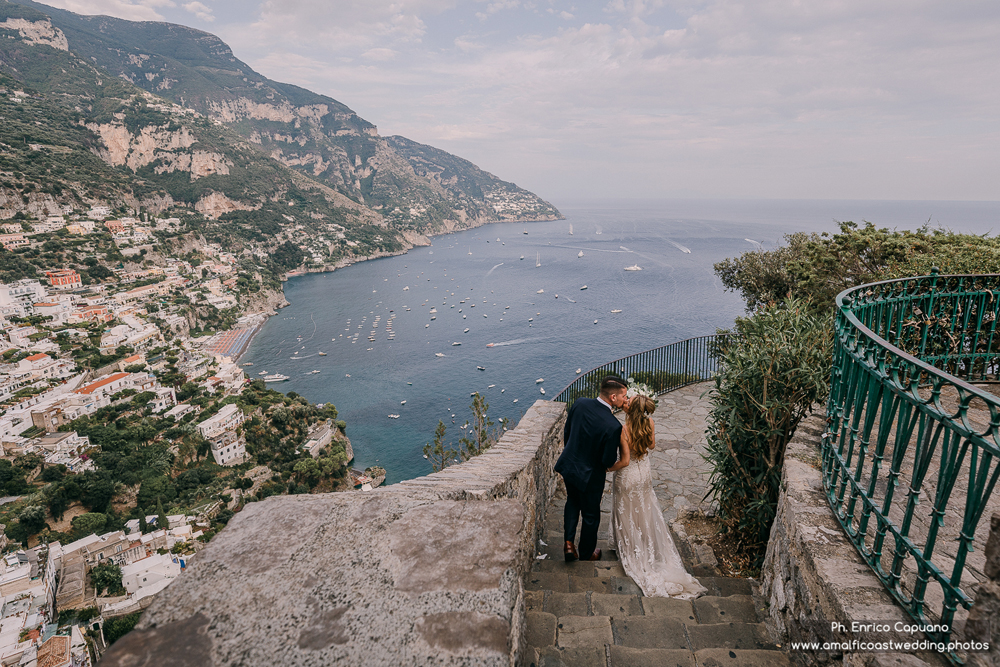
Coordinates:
(624,457)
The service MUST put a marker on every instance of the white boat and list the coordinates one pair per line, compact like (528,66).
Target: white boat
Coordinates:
(439,354)
(571,230)
(525,231)
(539,380)
(433,310)
(480,368)
(542,390)
(393,416)
(313,372)
(617,310)
(470,251)
(277,377)
(498,239)
(580,254)
(634,267)
(541,291)
(584,287)
(491,386)
(538,260)
(406,289)
(515,400)
(522,256)
(322,354)
(455,344)
(249,363)
(466,331)
(595,321)
(262,373)
(579,370)
(402,402)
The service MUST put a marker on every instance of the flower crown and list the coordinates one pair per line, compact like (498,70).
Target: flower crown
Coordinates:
(640,389)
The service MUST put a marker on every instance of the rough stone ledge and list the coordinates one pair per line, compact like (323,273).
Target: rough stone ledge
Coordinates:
(427,571)
(812,576)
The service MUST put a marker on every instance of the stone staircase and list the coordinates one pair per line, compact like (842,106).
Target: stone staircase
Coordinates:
(591,614)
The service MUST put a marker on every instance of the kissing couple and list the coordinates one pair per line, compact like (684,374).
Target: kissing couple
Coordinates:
(596,443)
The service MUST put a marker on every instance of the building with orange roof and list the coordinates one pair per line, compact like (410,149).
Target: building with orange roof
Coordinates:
(64,279)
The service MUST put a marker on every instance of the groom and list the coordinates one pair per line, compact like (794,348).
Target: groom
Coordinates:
(592,437)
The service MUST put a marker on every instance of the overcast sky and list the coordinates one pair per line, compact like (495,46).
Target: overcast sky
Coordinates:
(802,99)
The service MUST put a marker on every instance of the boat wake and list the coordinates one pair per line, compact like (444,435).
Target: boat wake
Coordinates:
(517,341)
(679,246)
(494,268)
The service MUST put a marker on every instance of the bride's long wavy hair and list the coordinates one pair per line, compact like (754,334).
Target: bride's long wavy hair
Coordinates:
(640,426)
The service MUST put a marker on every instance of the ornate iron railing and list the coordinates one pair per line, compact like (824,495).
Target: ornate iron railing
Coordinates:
(663,369)
(903,411)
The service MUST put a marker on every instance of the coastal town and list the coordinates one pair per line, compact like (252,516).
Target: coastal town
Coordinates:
(129,433)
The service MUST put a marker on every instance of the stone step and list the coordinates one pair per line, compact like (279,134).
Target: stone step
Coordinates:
(726,586)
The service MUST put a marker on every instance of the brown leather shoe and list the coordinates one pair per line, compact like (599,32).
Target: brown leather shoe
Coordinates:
(596,555)
(570,551)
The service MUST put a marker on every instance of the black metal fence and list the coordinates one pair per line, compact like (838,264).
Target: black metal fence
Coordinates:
(663,369)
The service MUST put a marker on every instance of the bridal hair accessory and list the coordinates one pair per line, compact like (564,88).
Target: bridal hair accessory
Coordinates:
(640,389)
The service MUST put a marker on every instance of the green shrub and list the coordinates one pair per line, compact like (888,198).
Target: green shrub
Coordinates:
(772,372)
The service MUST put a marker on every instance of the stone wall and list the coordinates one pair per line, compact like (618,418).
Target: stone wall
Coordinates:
(812,575)
(427,571)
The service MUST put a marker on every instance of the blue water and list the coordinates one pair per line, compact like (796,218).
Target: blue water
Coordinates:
(675,296)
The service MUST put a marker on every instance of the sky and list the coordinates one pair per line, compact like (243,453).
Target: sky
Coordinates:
(784,99)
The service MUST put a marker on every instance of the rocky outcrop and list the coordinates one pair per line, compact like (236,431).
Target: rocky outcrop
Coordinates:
(215,204)
(431,573)
(37,32)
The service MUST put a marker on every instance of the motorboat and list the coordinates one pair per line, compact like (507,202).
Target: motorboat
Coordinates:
(455,344)
(322,354)
(617,310)
(539,380)
(480,368)
(541,291)
(583,288)
(277,377)
(439,354)
(580,254)
(490,344)
(634,267)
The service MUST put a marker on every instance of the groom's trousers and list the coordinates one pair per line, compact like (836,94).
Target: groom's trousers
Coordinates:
(586,502)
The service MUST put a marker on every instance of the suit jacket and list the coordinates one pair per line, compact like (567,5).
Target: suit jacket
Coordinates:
(592,437)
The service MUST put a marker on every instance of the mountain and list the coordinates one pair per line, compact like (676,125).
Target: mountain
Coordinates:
(412,187)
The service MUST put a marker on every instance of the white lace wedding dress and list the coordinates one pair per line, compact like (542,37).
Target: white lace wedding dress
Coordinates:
(643,541)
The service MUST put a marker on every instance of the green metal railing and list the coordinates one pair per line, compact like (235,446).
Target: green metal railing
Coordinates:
(911,452)
(663,369)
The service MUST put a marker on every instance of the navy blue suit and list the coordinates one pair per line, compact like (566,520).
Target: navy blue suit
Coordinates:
(592,437)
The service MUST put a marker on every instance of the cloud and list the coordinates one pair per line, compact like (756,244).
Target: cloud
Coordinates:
(141,10)
(200,10)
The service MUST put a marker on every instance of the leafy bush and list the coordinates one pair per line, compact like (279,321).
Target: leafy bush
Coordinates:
(107,577)
(116,628)
(772,372)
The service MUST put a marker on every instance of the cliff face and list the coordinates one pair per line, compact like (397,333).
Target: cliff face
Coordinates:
(413,186)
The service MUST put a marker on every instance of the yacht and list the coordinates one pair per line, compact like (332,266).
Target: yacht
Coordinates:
(634,267)
(480,368)
(277,377)
(262,373)
(322,354)
(580,254)
(539,380)
(455,344)
(583,288)
(579,370)
(525,231)
(402,402)
(466,331)
(542,390)
(522,256)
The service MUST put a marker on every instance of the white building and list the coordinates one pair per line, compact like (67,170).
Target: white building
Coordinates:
(149,571)
(226,419)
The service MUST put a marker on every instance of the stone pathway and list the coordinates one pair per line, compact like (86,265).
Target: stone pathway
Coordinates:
(591,614)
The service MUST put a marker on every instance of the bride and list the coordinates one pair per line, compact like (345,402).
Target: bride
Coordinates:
(638,531)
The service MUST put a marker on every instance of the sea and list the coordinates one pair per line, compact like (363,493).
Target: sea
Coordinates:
(406,337)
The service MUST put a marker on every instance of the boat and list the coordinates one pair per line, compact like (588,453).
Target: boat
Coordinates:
(466,330)
(393,416)
(470,250)
(490,344)
(515,400)
(455,344)
(433,310)
(580,254)
(522,256)
(617,310)
(542,390)
(541,291)
(322,354)
(249,363)
(262,373)
(538,260)
(539,380)
(277,377)
(480,368)
(498,239)
(557,296)
(634,267)
(595,321)
(571,230)
(491,386)
(583,288)
(525,231)
(406,289)
(438,354)
(402,402)
(579,370)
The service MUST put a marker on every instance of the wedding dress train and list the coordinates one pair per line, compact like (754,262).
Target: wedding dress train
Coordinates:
(642,539)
